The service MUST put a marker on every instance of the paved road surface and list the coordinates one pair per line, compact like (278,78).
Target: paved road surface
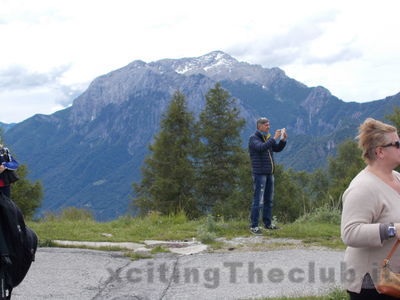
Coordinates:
(61,273)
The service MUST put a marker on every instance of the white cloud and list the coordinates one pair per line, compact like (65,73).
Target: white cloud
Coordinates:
(24,92)
(17,77)
(18,105)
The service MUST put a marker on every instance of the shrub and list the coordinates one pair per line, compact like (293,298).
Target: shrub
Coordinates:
(76,214)
(323,214)
(206,233)
(178,218)
(206,237)
(69,214)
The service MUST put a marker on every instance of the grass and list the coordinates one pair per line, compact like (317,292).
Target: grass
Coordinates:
(312,233)
(336,294)
(159,249)
(122,230)
(177,227)
(136,256)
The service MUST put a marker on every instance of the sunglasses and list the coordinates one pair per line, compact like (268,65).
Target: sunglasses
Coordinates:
(394,144)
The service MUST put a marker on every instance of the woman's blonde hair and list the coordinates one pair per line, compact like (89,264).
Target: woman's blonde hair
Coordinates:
(371,134)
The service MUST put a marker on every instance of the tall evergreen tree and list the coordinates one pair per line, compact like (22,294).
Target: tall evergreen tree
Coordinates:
(168,171)
(220,154)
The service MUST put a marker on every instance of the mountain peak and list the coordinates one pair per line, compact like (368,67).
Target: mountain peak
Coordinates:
(201,64)
(162,75)
(217,56)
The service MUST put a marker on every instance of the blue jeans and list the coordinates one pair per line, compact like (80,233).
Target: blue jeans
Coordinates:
(263,194)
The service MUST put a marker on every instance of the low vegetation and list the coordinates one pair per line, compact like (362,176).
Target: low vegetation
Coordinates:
(317,229)
(336,294)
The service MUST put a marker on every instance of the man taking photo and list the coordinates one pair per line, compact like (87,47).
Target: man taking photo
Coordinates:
(261,148)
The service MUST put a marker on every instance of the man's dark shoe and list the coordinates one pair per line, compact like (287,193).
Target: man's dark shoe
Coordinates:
(255,230)
(272,227)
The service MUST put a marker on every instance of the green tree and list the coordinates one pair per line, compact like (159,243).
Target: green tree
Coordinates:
(168,171)
(298,193)
(27,195)
(394,117)
(239,203)
(342,169)
(220,154)
(291,199)
(318,188)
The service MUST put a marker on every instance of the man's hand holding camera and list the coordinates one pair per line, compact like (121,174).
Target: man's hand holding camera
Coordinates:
(281,133)
(277,134)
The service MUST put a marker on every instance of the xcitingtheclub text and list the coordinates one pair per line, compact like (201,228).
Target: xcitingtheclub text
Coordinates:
(232,272)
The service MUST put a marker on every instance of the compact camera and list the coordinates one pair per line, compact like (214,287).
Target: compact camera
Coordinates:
(283,131)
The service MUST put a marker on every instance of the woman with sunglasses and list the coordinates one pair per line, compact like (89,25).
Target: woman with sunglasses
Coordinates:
(371,210)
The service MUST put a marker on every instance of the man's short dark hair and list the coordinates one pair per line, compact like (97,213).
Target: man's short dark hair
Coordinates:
(262,121)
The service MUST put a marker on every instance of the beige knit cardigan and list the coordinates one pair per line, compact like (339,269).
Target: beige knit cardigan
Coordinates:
(367,202)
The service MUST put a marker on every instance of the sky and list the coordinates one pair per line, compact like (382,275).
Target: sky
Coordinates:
(51,50)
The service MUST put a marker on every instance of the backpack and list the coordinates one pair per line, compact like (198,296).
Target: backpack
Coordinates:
(21,242)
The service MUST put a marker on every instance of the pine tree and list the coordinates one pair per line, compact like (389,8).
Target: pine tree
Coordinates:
(168,171)
(219,154)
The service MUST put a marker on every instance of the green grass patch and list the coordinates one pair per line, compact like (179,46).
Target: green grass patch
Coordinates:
(159,249)
(306,230)
(312,233)
(325,214)
(336,294)
(176,227)
(215,245)
(124,229)
(136,256)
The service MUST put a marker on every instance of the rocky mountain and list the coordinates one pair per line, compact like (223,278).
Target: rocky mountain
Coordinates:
(89,154)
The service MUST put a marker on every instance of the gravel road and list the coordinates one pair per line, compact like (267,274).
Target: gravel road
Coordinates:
(63,273)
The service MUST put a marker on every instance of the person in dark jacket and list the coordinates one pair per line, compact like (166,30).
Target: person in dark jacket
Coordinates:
(261,148)
(7,162)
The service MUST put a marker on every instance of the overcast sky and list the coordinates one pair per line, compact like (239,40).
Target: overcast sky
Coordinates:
(51,50)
